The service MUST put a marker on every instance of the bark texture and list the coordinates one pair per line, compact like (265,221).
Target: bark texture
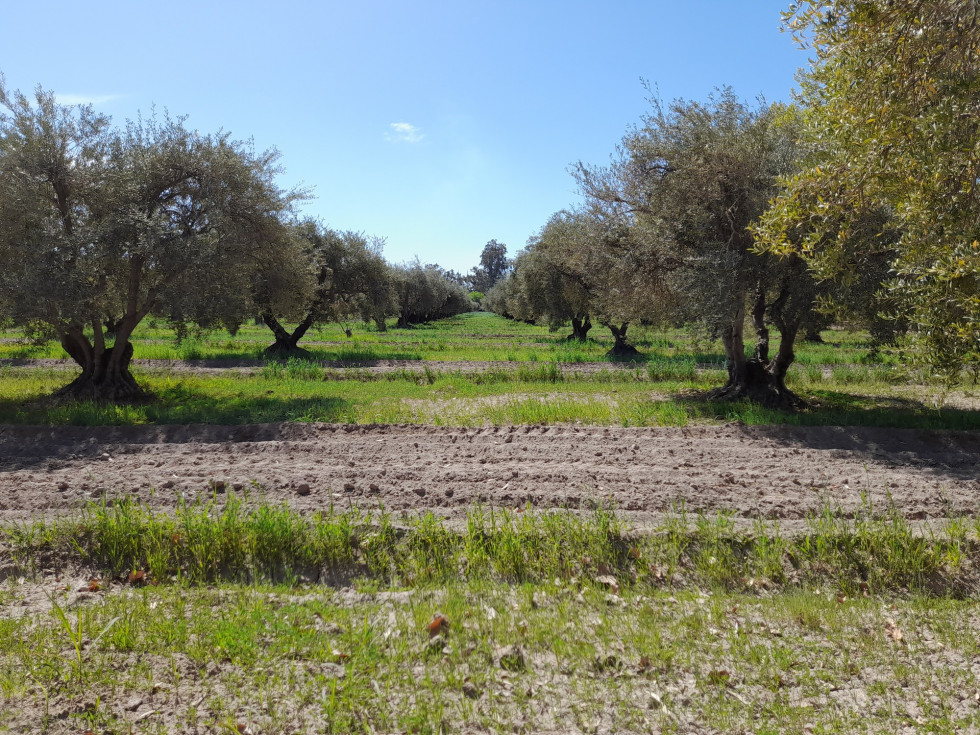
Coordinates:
(760,379)
(105,370)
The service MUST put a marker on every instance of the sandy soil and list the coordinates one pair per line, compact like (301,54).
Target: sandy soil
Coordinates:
(775,471)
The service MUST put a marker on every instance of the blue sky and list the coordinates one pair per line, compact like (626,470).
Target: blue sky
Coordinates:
(437,125)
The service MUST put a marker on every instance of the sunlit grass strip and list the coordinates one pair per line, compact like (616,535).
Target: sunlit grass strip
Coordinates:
(532,394)
(235,540)
(468,337)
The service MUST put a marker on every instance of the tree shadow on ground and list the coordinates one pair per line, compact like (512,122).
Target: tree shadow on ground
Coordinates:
(41,429)
(891,430)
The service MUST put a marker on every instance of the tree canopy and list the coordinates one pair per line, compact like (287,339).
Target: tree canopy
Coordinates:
(691,179)
(348,279)
(101,226)
(493,266)
(891,112)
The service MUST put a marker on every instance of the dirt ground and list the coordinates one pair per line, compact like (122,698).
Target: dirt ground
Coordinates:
(777,472)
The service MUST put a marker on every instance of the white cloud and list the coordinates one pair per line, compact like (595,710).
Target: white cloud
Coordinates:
(403,132)
(85,99)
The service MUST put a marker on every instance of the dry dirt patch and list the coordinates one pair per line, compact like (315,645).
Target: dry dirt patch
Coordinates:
(781,472)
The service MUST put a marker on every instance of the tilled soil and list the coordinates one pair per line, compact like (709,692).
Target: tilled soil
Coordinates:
(778,472)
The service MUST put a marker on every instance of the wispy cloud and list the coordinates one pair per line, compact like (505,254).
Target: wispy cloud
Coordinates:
(85,99)
(403,132)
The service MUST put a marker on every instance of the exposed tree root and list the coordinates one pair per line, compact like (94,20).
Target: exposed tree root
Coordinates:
(286,350)
(623,351)
(759,385)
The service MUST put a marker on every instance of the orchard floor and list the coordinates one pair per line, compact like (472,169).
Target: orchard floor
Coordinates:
(776,472)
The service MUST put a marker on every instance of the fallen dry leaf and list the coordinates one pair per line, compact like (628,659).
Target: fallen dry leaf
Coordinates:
(719,676)
(137,576)
(93,585)
(438,626)
(893,631)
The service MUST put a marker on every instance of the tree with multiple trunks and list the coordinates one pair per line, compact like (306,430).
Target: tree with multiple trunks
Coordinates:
(350,279)
(100,227)
(693,177)
(891,110)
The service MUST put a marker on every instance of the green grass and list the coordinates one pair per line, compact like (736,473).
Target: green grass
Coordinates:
(540,379)
(237,539)
(555,656)
(468,337)
(556,621)
(532,393)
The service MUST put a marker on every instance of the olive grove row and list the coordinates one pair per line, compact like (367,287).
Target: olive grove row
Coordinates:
(103,226)
(859,200)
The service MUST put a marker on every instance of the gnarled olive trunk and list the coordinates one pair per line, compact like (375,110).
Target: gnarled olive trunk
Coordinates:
(621,348)
(580,328)
(758,379)
(105,370)
(286,344)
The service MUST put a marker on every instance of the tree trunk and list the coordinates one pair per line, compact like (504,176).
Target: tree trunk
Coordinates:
(621,348)
(756,380)
(761,329)
(381,324)
(286,344)
(105,370)
(580,328)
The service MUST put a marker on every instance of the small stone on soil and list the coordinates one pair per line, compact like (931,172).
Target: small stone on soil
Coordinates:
(303,489)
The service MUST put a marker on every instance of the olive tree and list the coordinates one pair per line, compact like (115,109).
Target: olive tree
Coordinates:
(695,176)
(424,293)
(891,111)
(350,280)
(101,226)
(540,289)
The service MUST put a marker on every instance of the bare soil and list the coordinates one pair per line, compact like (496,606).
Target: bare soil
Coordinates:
(778,472)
